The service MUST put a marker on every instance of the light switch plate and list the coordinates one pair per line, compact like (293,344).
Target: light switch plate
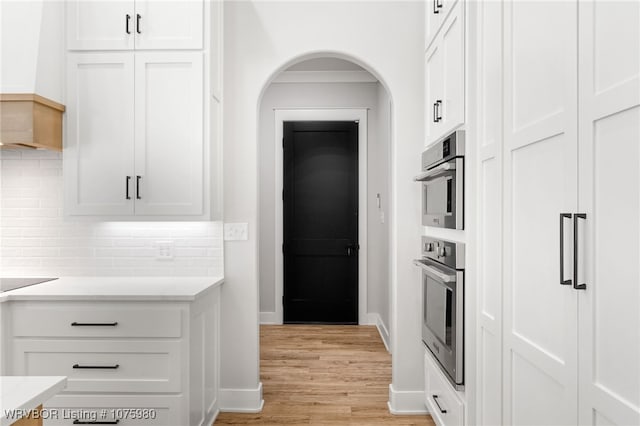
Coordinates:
(236,231)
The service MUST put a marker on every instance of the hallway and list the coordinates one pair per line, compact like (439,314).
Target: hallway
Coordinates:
(318,374)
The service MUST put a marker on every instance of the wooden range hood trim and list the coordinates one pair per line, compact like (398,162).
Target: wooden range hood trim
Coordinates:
(30,120)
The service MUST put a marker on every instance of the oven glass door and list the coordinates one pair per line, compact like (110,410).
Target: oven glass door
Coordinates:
(439,312)
(439,192)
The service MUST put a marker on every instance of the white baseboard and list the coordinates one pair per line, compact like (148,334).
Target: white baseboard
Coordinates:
(406,402)
(384,333)
(241,400)
(269,318)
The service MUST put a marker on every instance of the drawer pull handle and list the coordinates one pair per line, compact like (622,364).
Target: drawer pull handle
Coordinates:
(94,324)
(435,399)
(78,422)
(105,367)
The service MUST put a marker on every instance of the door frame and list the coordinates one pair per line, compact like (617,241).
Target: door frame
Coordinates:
(322,114)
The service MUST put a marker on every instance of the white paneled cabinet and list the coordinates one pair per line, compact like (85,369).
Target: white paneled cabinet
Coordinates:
(122,358)
(150,165)
(444,77)
(559,112)
(98,151)
(436,11)
(140,24)
(169,151)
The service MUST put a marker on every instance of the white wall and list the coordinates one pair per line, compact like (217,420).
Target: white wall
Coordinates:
(327,95)
(35,238)
(261,39)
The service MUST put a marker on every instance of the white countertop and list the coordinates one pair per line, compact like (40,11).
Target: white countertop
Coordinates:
(116,288)
(26,393)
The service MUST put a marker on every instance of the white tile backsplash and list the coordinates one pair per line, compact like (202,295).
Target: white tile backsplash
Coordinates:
(36,239)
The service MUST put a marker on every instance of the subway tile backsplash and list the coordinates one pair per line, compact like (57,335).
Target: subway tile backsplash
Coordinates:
(36,239)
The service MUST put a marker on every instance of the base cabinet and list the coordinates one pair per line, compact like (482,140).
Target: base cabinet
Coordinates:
(442,400)
(123,361)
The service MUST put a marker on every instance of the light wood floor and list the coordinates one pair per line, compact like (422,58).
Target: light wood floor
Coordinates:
(323,375)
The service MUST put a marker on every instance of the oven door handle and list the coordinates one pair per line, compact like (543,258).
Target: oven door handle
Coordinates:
(436,171)
(434,273)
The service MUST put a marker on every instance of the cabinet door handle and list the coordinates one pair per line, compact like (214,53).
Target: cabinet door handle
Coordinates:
(94,324)
(98,422)
(126,24)
(96,367)
(435,6)
(563,216)
(435,112)
(438,112)
(577,286)
(127,180)
(435,399)
(438,4)
(138,18)
(138,196)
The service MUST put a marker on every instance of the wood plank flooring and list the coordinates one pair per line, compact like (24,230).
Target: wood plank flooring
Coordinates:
(323,375)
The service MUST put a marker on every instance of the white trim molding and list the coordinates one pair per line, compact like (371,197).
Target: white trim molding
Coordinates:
(323,114)
(376,319)
(406,402)
(269,318)
(351,76)
(241,400)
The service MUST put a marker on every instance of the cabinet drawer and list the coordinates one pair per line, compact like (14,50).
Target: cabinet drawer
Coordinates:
(441,398)
(40,319)
(64,409)
(102,365)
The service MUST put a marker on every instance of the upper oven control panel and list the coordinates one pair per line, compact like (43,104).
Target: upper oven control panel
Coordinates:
(446,252)
(450,147)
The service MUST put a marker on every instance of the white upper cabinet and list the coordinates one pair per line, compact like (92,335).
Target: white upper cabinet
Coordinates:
(140,24)
(98,152)
(436,11)
(169,156)
(151,165)
(444,78)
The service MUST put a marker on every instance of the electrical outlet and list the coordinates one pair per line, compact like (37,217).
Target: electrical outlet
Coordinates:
(164,250)
(236,231)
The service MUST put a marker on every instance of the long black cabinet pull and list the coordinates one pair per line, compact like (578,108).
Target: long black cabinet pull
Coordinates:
(438,105)
(435,399)
(138,196)
(435,6)
(577,286)
(94,324)
(126,24)
(96,367)
(563,216)
(98,422)
(127,180)
(138,18)
(438,4)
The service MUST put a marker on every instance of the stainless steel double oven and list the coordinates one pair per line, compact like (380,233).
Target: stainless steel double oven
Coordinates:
(442,265)
(442,180)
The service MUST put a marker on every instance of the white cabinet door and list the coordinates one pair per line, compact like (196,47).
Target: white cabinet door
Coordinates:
(100,25)
(169,24)
(444,79)
(169,155)
(433,92)
(436,11)
(540,182)
(143,24)
(609,164)
(452,42)
(98,154)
